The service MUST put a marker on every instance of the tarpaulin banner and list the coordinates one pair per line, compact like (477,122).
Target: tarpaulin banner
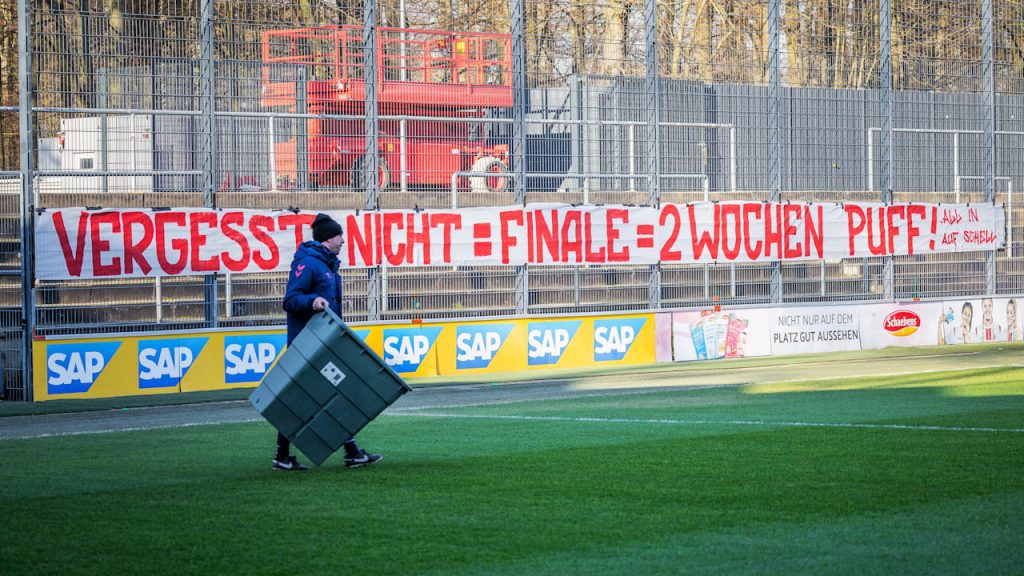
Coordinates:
(86,243)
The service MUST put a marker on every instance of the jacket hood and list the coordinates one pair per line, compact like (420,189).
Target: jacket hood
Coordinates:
(313,249)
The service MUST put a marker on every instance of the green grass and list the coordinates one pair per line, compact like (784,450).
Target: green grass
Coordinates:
(759,479)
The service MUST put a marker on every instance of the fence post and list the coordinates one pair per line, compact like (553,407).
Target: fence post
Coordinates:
(26,146)
(990,129)
(519,136)
(885,94)
(774,131)
(371,166)
(208,138)
(652,91)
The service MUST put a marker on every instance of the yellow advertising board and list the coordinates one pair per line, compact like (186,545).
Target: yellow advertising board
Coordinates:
(136,365)
(482,347)
(217,360)
(515,345)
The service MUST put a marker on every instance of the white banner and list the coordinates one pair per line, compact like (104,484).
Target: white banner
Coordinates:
(899,324)
(810,329)
(81,243)
(710,335)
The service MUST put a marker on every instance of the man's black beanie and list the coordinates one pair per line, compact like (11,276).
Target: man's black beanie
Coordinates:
(325,228)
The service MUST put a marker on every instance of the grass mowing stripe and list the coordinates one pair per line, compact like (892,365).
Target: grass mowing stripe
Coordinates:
(894,374)
(133,429)
(708,422)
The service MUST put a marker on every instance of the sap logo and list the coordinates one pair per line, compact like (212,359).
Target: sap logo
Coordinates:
(163,363)
(405,348)
(247,358)
(73,368)
(477,345)
(612,338)
(362,333)
(546,341)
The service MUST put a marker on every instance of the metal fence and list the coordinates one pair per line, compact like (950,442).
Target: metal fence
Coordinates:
(264,104)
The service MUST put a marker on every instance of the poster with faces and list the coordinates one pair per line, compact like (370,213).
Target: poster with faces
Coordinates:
(980,320)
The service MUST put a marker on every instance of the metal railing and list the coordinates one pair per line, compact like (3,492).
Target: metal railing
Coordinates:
(592,118)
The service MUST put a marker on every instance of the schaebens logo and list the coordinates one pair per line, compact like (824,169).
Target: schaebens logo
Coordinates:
(405,348)
(247,358)
(74,368)
(164,362)
(476,345)
(902,322)
(546,341)
(614,337)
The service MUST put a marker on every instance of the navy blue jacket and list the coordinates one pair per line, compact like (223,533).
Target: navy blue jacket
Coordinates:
(314,273)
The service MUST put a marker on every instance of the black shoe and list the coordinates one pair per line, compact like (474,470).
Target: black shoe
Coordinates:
(290,463)
(362,459)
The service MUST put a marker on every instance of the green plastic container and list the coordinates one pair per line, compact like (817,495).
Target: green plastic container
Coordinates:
(326,387)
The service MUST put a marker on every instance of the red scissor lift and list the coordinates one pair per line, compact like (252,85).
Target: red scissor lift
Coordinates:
(439,80)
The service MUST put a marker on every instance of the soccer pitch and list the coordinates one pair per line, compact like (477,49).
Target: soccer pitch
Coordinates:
(868,463)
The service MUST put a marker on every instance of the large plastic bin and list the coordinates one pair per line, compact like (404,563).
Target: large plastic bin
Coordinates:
(326,387)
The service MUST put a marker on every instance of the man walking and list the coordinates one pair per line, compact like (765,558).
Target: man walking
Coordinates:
(313,285)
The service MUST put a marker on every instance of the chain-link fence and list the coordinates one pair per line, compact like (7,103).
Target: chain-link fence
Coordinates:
(417,103)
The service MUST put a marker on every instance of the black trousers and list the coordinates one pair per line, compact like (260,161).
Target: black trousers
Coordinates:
(284,447)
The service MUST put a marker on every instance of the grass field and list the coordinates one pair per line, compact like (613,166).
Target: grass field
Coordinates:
(919,473)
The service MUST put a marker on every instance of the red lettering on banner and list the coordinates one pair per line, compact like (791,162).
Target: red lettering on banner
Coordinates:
(413,237)
(546,234)
(179,245)
(392,254)
(753,251)
(813,231)
(203,241)
(448,223)
(198,240)
(733,210)
(99,246)
(855,222)
(978,236)
(877,249)
(667,253)
(773,235)
(72,258)
(589,254)
(234,219)
(134,252)
(508,237)
(361,237)
(298,221)
(790,212)
(935,226)
(704,241)
(912,230)
(899,210)
(259,226)
(482,245)
(529,237)
(572,236)
(645,235)
(613,233)
(378,234)
(951,216)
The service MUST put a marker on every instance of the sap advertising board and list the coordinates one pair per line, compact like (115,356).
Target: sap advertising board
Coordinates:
(96,368)
(136,365)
